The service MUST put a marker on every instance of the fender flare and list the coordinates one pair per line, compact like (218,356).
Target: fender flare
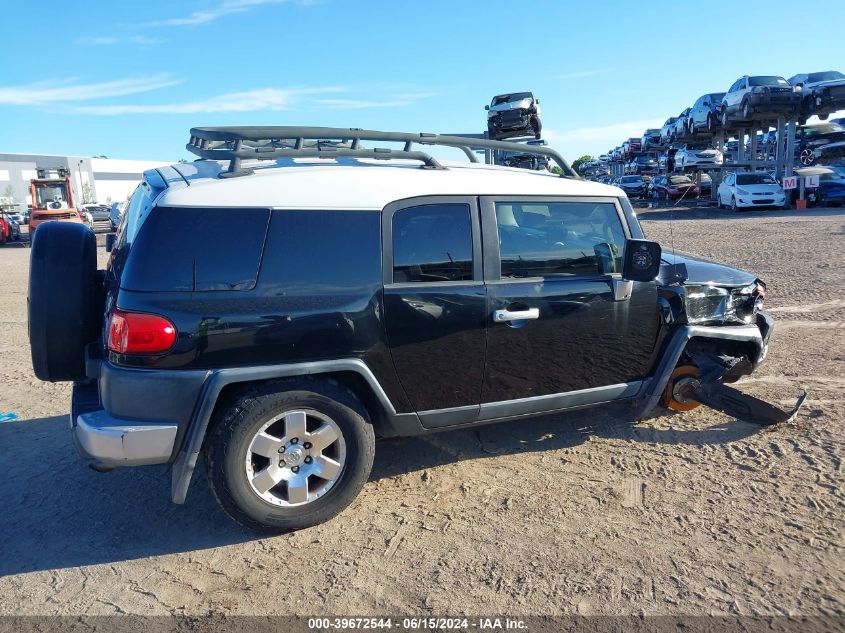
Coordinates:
(186,459)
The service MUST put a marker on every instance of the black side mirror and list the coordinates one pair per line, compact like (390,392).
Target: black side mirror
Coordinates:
(642,260)
(487,107)
(110,239)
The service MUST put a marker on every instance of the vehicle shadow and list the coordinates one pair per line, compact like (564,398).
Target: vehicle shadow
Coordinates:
(61,514)
(551,432)
(667,213)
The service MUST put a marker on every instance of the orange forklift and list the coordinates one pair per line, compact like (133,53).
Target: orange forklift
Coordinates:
(52,199)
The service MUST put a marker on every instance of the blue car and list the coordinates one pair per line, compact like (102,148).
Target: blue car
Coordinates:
(831,189)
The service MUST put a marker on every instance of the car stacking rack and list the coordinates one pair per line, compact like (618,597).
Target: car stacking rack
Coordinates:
(239,143)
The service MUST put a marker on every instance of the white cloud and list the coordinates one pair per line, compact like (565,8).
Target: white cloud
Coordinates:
(246,101)
(227,7)
(58,91)
(110,41)
(392,101)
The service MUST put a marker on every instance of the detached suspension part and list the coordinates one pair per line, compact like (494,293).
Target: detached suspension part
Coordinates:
(691,385)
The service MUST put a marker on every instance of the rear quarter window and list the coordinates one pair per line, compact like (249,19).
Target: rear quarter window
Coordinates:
(321,252)
(197,249)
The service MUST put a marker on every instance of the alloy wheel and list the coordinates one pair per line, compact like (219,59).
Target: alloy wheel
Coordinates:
(807,157)
(295,458)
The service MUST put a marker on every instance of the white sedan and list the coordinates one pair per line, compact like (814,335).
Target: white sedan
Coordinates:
(743,190)
(697,155)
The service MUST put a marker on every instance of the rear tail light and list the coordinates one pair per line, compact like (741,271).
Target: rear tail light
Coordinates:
(139,333)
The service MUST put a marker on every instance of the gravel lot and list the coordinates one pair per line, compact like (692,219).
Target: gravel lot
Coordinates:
(580,513)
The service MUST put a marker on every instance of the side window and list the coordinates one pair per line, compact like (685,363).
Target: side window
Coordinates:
(560,238)
(432,243)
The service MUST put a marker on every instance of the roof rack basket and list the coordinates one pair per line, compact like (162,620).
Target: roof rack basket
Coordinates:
(238,143)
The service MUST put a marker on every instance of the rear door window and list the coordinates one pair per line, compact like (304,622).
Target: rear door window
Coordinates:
(432,243)
(197,249)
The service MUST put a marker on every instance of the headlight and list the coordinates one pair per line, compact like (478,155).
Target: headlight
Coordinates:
(742,192)
(713,304)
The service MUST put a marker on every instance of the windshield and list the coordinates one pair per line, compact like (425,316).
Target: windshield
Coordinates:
(697,146)
(511,98)
(679,180)
(644,159)
(716,96)
(767,81)
(825,76)
(631,179)
(755,179)
(52,195)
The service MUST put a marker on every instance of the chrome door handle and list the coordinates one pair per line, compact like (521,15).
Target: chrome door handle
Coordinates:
(505,316)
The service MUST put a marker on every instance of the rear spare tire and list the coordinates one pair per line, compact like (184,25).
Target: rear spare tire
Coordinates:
(64,300)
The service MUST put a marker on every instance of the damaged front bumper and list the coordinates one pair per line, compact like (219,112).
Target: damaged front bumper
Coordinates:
(709,389)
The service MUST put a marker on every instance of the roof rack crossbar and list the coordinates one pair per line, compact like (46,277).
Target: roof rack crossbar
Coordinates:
(230,145)
(258,153)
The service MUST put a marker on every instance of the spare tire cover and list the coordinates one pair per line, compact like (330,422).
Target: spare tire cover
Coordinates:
(64,302)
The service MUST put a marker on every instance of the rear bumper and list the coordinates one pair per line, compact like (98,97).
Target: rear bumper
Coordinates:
(112,442)
(132,417)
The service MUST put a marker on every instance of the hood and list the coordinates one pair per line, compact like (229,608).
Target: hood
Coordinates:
(523,104)
(703,271)
(828,84)
(761,188)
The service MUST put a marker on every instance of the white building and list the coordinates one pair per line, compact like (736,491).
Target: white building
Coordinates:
(104,179)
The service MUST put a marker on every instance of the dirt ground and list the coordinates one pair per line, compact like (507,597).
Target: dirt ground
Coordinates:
(581,513)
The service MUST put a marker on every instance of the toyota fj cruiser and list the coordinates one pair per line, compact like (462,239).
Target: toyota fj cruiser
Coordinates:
(276,312)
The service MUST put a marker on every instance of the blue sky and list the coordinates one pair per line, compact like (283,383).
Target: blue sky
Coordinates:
(128,79)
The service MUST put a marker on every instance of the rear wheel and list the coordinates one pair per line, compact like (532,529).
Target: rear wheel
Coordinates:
(807,157)
(287,455)
(65,299)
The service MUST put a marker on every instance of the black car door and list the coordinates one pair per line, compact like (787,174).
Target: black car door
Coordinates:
(435,305)
(563,327)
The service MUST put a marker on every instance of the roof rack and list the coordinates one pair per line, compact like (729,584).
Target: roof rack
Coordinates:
(238,143)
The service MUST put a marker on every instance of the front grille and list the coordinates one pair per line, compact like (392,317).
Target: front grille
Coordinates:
(763,201)
(58,216)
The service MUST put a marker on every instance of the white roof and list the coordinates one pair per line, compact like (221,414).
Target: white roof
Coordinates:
(357,184)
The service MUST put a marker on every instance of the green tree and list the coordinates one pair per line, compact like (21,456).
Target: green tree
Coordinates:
(580,161)
(87,193)
(9,196)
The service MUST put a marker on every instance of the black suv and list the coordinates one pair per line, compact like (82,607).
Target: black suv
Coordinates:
(279,315)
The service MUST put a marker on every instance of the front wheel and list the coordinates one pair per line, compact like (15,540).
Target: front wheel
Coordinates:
(286,455)
(734,206)
(746,111)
